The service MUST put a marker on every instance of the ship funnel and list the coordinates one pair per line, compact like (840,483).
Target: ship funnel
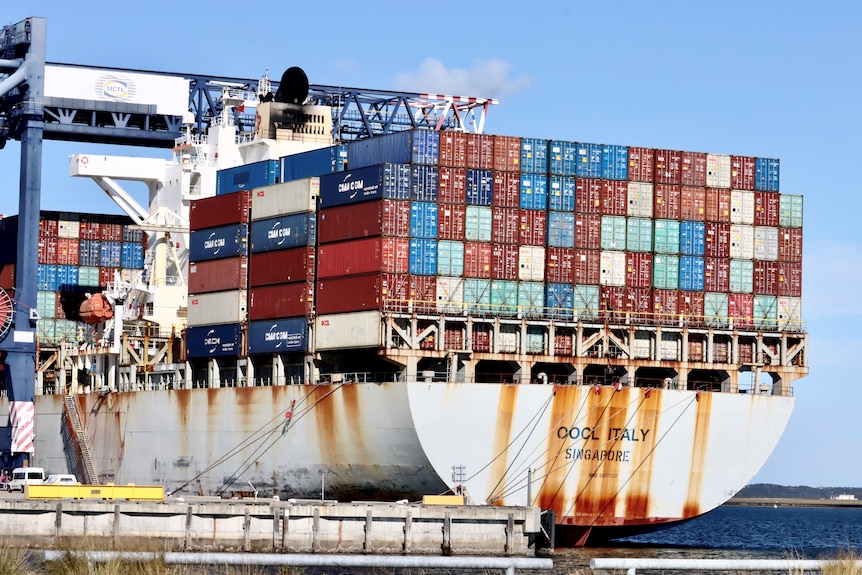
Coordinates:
(293,88)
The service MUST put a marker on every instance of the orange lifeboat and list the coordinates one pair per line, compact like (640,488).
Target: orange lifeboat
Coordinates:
(96,309)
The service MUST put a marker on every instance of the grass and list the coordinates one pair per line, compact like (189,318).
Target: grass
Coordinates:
(847,563)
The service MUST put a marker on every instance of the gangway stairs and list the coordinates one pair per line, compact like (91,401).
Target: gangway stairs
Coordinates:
(80,443)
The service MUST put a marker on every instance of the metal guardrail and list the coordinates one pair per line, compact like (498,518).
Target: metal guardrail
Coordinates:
(631,565)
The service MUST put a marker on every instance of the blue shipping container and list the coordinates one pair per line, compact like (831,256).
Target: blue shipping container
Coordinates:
(46,277)
(534,192)
(216,243)
(691,273)
(283,232)
(390,181)
(423,220)
(67,278)
(132,256)
(561,193)
(480,187)
(766,175)
(589,160)
(534,155)
(561,158)
(559,299)
(407,147)
(89,252)
(247,177)
(423,257)
(615,162)
(111,254)
(561,229)
(424,183)
(314,163)
(288,335)
(213,340)
(692,238)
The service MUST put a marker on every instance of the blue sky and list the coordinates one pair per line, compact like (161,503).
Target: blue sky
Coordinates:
(770,79)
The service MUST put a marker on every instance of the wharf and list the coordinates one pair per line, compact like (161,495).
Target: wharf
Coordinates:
(792,502)
(261,525)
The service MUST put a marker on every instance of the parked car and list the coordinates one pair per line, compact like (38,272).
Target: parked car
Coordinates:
(61,479)
(22,476)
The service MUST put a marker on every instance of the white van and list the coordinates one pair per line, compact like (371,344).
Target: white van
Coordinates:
(22,476)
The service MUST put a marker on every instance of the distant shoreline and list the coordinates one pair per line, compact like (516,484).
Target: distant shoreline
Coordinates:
(791,502)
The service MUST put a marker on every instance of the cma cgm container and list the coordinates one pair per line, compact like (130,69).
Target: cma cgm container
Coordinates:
(313,163)
(285,335)
(214,340)
(407,147)
(283,232)
(254,175)
(219,211)
(390,181)
(221,242)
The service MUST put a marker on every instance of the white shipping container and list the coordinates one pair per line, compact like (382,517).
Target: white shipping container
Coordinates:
(717,171)
(218,307)
(639,200)
(294,197)
(612,268)
(742,207)
(642,344)
(742,242)
(531,263)
(450,295)
(765,243)
(670,347)
(68,229)
(507,341)
(343,330)
(789,313)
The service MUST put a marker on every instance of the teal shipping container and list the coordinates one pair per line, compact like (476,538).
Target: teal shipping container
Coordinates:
(477,295)
(666,237)
(613,233)
(715,309)
(535,339)
(46,304)
(665,271)
(789,211)
(450,258)
(585,302)
(504,297)
(638,235)
(478,223)
(765,312)
(531,299)
(88,276)
(741,276)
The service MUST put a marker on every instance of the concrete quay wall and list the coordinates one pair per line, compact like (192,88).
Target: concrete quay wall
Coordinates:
(280,526)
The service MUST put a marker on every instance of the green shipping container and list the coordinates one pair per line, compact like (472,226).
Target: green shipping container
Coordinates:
(46,304)
(613,233)
(765,312)
(585,302)
(504,297)
(88,276)
(477,295)
(531,298)
(741,276)
(715,309)
(45,330)
(477,224)
(666,237)
(450,258)
(790,211)
(665,271)
(535,340)
(639,235)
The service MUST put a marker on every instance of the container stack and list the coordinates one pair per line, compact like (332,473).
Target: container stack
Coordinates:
(78,254)
(218,274)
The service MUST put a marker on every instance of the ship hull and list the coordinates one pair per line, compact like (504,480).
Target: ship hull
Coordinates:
(606,461)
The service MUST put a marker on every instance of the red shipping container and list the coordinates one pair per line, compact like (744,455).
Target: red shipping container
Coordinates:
(588,195)
(47,250)
(693,166)
(586,267)
(504,262)
(507,189)
(451,219)
(564,342)
(766,277)
(452,184)
(766,206)
(453,149)
(665,306)
(59,310)
(282,266)
(423,294)
(588,231)
(614,197)
(89,228)
(480,151)
(638,270)
(219,275)
(365,219)
(395,292)
(7,276)
(507,153)
(691,308)
(533,225)
(505,225)
(365,256)
(640,305)
(695,348)
(789,279)
(111,231)
(282,300)
(559,265)
(67,251)
(641,164)
(718,205)
(692,203)
(790,245)
(453,338)
(477,260)
(48,228)
(481,337)
(746,350)
(668,167)
(106,275)
(220,210)
(666,201)
(614,303)
(742,172)
(717,241)
(740,310)
(716,274)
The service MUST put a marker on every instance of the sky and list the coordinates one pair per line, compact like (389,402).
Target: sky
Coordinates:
(768,79)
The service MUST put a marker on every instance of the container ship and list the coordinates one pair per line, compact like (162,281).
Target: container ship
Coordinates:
(608,332)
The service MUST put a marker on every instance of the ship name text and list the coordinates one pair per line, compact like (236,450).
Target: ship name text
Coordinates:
(594,434)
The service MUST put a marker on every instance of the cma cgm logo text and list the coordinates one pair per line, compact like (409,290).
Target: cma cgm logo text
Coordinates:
(350,187)
(212,341)
(115,87)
